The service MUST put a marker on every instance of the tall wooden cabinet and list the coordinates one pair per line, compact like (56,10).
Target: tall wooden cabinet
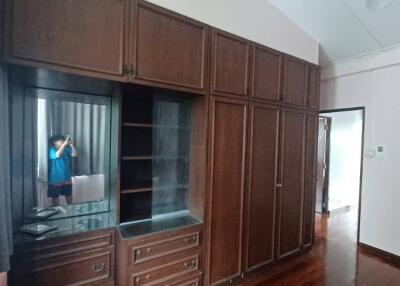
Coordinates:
(291,181)
(310,179)
(228,130)
(253,141)
(262,179)
(261,185)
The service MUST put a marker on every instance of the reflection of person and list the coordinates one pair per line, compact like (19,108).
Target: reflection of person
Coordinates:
(61,149)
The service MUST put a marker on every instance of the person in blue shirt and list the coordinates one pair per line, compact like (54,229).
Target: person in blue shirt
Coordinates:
(61,150)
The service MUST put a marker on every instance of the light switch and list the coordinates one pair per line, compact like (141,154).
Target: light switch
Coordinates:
(380,152)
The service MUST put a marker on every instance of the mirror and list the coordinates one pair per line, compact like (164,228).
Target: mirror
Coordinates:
(73,148)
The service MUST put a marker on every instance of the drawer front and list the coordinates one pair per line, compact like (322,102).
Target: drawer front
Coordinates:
(194,281)
(70,246)
(168,271)
(145,252)
(87,269)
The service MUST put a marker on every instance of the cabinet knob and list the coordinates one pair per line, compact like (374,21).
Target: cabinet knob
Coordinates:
(148,249)
(125,70)
(138,252)
(131,70)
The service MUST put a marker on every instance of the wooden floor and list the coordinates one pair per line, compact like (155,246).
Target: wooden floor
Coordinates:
(334,260)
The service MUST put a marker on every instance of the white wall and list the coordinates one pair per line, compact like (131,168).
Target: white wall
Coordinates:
(373,82)
(344,158)
(256,20)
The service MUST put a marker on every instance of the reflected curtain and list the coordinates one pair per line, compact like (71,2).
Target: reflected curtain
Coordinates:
(5,175)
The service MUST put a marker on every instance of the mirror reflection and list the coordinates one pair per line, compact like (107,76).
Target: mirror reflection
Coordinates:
(72,142)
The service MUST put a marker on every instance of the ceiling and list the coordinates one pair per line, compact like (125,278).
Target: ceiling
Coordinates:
(346,28)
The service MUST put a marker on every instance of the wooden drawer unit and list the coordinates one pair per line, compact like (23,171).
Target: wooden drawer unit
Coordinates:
(82,259)
(166,258)
(141,253)
(166,271)
(80,269)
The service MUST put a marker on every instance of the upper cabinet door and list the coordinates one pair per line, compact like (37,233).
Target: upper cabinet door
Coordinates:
(261,200)
(167,49)
(86,36)
(229,64)
(314,84)
(295,81)
(227,167)
(293,131)
(266,76)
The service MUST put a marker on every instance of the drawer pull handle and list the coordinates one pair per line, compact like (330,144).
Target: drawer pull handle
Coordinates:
(137,280)
(190,264)
(138,252)
(148,276)
(190,239)
(148,249)
(98,267)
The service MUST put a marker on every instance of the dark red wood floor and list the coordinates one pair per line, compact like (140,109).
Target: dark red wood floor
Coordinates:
(334,260)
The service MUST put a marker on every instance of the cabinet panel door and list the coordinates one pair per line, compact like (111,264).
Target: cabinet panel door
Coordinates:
(261,205)
(87,35)
(167,48)
(310,180)
(230,64)
(227,145)
(314,83)
(293,129)
(295,82)
(266,73)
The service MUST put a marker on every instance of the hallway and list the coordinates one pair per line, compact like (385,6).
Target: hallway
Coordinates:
(334,260)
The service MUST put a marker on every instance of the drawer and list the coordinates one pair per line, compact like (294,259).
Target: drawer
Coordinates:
(193,281)
(66,246)
(168,271)
(152,250)
(89,269)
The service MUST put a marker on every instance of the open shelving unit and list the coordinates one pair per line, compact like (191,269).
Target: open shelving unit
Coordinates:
(155,154)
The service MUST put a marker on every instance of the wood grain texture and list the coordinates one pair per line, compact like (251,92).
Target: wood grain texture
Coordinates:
(314,87)
(225,215)
(295,81)
(230,59)
(160,258)
(266,75)
(167,48)
(292,157)
(89,256)
(261,205)
(310,180)
(70,34)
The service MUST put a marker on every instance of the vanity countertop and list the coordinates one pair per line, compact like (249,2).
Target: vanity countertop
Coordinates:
(70,226)
(157,225)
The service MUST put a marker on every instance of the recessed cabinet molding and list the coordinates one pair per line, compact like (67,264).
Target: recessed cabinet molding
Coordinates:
(266,73)
(295,81)
(230,64)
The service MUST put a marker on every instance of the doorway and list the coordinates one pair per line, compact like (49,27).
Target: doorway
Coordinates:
(339,160)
